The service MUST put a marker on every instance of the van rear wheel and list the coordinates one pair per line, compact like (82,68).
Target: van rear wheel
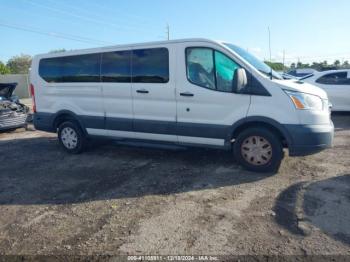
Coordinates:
(258,150)
(71,137)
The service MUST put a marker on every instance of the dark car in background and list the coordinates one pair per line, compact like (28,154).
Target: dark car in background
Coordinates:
(13,114)
(301,72)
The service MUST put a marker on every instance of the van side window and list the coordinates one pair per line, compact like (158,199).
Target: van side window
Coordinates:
(334,79)
(116,67)
(225,70)
(150,65)
(79,68)
(210,69)
(200,67)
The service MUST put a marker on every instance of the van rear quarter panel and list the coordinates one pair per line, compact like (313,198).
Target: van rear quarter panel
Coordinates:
(79,98)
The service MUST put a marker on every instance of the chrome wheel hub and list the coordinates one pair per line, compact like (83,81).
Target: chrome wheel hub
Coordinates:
(69,138)
(256,150)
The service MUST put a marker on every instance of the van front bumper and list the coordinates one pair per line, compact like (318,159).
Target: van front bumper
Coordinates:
(309,139)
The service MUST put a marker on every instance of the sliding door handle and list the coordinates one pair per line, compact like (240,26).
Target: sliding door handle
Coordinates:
(142,91)
(186,94)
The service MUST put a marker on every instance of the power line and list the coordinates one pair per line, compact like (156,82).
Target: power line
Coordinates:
(326,56)
(318,58)
(312,58)
(23,12)
(104,10)
(269,43)
(92,20)
(291,57)
(54,34)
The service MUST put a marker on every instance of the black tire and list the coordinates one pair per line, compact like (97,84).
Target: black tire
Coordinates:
(275,157)
(79,145)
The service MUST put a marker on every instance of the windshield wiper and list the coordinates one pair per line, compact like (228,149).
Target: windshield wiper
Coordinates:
(270,75)
(265,73)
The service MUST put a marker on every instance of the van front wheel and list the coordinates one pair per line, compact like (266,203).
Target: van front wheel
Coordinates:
(258,150)
(71,137)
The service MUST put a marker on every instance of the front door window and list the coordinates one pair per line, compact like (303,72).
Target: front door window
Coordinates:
(210,69)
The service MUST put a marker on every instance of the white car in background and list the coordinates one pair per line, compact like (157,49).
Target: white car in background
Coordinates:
(337,85)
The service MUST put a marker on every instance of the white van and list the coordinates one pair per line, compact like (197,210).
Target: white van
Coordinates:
(193,92)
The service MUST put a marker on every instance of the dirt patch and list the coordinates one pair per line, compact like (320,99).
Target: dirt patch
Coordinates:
(115,199)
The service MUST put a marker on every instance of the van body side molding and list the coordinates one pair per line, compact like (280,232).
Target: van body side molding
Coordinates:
(46,122)
(301,139)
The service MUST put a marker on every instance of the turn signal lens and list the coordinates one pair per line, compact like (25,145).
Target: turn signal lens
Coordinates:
(305,101)
(298,104)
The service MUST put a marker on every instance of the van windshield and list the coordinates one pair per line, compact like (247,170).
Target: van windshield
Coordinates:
(255,62)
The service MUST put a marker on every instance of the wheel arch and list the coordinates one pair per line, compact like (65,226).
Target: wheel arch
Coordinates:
(66,115)
(257,121)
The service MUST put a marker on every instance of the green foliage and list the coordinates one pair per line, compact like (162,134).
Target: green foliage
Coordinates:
(320,66)
(4,69)
(325,66)
(19,64)
(275,66)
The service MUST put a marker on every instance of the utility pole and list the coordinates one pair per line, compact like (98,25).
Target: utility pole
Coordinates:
(268,28)
(168,31)
(284,55)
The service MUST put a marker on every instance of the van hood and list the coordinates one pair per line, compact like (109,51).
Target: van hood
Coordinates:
(300,86)
(6,90)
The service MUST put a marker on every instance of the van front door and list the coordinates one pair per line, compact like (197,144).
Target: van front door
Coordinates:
(206,105)
(153,93)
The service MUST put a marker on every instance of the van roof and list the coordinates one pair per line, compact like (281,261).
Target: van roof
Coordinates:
(99,49)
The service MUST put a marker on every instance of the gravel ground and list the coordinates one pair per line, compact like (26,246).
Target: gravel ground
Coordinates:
(115,199)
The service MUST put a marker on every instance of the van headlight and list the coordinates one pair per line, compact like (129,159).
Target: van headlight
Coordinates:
(305,101)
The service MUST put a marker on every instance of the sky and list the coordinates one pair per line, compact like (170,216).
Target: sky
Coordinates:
(304,30)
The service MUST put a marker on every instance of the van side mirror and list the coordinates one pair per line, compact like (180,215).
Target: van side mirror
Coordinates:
(239,80)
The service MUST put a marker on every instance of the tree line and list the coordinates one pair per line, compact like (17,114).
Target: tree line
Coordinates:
(16,65)
(20,65)
(319,66)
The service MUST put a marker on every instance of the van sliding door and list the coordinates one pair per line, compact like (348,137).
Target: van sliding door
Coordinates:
(116,87)
(153,93)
